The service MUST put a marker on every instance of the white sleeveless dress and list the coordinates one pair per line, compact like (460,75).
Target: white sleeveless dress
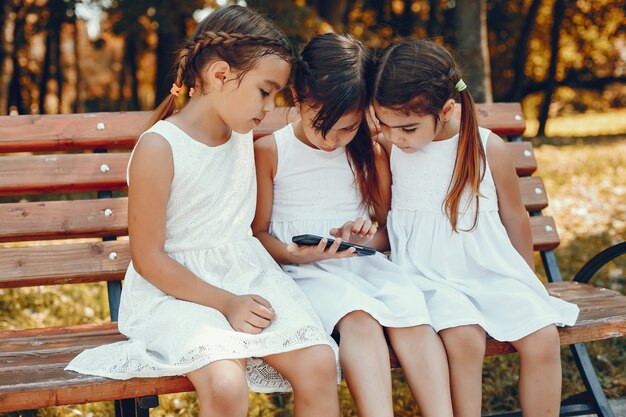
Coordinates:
(315,191)
(472,277)
(209,212)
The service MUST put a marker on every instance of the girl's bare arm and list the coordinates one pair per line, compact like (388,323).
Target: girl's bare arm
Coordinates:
(150,177)
(512,211)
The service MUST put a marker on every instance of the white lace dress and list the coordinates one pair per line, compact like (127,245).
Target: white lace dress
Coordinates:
(472,277)
(209,212)
(315,191)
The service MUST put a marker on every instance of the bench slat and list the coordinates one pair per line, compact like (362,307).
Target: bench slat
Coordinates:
(120,130)
(533,193)
(544,233)
(87,218)
(39,174)
(62,219)
(90,262)
(523,158)
(62,264)
(32,375)
(62,173)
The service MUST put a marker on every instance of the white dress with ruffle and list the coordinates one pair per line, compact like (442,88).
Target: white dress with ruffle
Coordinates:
(315,191)
(474,277)
(210,208)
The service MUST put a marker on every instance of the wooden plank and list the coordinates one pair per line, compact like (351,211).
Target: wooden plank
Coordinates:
(32,375)
(533,193)
(544,233)
(62,219)
(602,316)
(63,264)
(120,130)
(62,173)
(523,157)
(71,131)
(38,388)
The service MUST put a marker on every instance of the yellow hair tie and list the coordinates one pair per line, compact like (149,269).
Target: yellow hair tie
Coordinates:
(460,85)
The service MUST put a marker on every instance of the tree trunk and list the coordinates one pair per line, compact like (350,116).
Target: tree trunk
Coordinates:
(45,73)
(334,12)
(433,27)
(7,35)
(15,98)
(472,48)
(77,108)
(558,12)
(133,56)
(169,42)
(521,52)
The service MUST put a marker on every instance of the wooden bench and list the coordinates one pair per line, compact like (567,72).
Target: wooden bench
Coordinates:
(97,149)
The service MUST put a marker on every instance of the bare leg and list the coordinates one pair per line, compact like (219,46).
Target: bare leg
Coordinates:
(364,357)
(465,347)
(312,373)
(423,359)
(222,388)
(540,372)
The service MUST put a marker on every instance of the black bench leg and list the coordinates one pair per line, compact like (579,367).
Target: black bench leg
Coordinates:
(136,407)
(588,374)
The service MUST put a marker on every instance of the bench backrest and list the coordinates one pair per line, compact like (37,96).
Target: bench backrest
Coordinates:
(52,197)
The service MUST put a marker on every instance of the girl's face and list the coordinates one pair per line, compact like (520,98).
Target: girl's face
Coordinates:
(413,131)
(244,103)
(339,135)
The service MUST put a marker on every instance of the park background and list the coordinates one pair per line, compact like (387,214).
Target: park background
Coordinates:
(564,60)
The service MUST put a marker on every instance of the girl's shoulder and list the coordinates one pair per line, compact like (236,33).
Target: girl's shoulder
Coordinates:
(266,155)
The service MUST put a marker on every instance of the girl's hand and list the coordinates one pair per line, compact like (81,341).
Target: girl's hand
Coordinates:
(359,231)
(309,254)
(249,313)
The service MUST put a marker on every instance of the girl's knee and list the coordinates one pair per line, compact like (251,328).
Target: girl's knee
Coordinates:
(318,361)
(359,322)
(543,345)
(226,391)
(464,342)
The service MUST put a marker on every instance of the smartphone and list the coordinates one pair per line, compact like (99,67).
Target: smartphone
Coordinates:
(314,240)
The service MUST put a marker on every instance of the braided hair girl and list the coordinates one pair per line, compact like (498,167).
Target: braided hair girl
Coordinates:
(201,296)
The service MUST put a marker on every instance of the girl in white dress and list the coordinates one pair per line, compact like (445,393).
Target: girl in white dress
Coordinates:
(320,176)
(202,297)
(458,226)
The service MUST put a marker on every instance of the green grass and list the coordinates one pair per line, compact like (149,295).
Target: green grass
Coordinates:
(586,183)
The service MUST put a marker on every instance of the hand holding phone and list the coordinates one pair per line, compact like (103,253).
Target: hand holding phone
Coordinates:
(317,241)
(310,248)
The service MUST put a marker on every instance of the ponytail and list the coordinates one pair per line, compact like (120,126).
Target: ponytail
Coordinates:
(469,166)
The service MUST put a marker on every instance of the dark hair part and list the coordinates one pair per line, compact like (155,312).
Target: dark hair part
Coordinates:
(419,76)
(234,34)
(332,75)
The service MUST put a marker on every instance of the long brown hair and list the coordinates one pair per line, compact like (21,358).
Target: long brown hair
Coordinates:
(233,34)
(419,76)
(332,75)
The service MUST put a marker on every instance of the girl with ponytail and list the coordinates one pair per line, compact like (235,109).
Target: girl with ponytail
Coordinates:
(324,175)
(457,226)
(201,296)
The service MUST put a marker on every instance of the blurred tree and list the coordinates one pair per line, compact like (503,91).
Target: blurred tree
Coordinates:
(558,12)
(8,13)
(472,48)
(54,16)
(521,52)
